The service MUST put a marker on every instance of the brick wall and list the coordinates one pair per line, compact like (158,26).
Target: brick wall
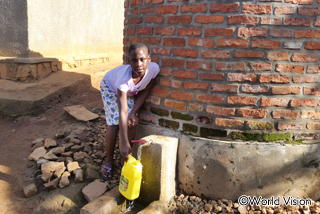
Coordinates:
(246,70)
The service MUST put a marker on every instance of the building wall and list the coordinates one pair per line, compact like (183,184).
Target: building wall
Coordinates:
(75,27)
(13,28)
(247,70)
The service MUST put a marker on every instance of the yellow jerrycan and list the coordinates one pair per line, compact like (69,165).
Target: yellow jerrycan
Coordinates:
(130,180)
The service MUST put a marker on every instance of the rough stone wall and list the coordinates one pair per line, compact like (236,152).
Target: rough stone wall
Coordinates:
(243,69)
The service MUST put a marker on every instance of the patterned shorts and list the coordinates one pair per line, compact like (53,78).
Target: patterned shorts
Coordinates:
(109,99)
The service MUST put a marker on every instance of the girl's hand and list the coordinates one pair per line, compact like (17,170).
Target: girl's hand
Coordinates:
(124,151)
(133,120)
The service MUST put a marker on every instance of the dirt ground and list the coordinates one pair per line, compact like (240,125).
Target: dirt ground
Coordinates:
(16,171)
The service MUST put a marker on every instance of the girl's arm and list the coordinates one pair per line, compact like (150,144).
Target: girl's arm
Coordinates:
(123,125)
(142,96)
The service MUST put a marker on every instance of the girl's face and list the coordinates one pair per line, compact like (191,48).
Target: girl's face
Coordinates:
(139,60)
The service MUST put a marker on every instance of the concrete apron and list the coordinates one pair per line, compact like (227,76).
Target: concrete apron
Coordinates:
(218,169)
(158,185)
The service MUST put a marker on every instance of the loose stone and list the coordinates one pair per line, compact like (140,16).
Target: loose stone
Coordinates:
(30,190)
(46,176)
(78,175)
(50,143)
(73,166)
(92,174)
(66,154)
(64,181)
(57,150)
(41,161)
(52,184)
(59,172)
(51,166)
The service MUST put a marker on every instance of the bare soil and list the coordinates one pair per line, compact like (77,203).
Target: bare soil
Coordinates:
(16,171)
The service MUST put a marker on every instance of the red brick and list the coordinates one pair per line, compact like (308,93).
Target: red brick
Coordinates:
(176,104)
(127,13)
(126,4)
(195,85)
(224,88)
(145,30)
(199,65)
(155,100)
(159,91)
(195,107)
(165,72)
(285,90)
(296,22)
(131,31)
(317,23)
(254,89)
(230,123)
(233,43)
(177,63)
(248,54)
(253,113)
(252,32)
(218,32)
(304,57)
(230,66)
(291,126)
(247,101)
(215,54)
(265,44)
(126,22)
(161,51)
(155,59)
(185,74)
(133,40)
(165,82)
(136,20)
(211,76)
(243,20)
(154,19)
(305,79)
(238,77)
(125,49)
(133,2)
(165,9)
(306,34)
(191,31)
(179,19)
(209,19)
(266,78)
(290,68)
(284,10)
(147,118)
(201,42)
(280,33)
(194,8)
(185,52)
(313,125)
(302,102)
(313,115)
(311,91)
(151,40)
(125,41)
(279,102)
(270,21)
(285,114)
(300,1)
(261,66)
(256,8)
(312,69)
(278,56)
(147,10)
(312,45)
(225,8)
(257,125)
(309,11)
(220,111)
(174,42)
(153,1)
(210,98)
(165,30)
(182,95)
(135,11)
(292,45)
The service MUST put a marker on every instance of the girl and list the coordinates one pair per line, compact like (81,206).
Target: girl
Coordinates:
(119,90)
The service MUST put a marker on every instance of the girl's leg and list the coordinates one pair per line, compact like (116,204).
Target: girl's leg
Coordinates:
(110,139)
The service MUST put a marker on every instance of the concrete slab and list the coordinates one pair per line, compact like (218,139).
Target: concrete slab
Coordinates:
(23,98)
(156,207)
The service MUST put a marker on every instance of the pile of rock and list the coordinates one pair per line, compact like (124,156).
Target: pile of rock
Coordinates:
(194,204)
(71,155)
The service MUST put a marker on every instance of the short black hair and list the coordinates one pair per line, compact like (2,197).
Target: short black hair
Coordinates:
(136,46)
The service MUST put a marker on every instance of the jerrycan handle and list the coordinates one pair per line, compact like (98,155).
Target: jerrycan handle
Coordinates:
(139,141)
(130,159)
